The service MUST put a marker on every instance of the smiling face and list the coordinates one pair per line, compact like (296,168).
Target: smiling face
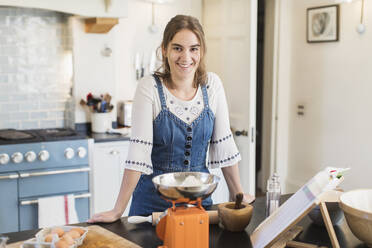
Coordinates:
(183,55)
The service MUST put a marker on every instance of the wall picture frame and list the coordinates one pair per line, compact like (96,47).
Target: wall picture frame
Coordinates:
(323,24)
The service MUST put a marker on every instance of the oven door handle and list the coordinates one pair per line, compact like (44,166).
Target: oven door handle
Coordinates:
(23,203)
(47,173)
(11,176)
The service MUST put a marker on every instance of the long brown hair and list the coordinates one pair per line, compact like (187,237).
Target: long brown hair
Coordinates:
(176,24)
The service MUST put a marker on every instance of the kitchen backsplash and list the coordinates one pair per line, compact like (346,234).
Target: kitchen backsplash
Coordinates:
(35,69)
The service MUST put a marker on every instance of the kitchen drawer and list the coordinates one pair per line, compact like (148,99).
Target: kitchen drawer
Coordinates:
(51,182)
(8,203)
(29,213)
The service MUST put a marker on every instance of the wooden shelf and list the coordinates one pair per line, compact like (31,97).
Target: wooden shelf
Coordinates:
(100,25)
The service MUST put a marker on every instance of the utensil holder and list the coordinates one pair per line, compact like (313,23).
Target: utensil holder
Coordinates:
(101,122)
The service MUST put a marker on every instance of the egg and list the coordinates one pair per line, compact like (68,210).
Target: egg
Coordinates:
(58,231)
(61,244)
(79,230)
(74,234)
(69,240)
(48,238)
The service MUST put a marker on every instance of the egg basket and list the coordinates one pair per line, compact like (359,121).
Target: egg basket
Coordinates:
(39,240)
(3,242)
(33,243)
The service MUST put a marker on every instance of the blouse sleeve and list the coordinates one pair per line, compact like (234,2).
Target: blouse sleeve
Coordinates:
(140,146)
(222,151)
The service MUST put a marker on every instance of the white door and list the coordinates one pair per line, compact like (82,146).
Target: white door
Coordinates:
(230,27)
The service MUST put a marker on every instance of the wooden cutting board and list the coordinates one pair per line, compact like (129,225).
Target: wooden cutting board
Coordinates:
(97,237)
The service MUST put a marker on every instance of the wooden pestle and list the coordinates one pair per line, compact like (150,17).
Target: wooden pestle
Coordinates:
(213,217)
(238,200)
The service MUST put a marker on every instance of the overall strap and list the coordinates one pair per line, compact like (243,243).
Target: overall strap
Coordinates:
(160,91)
(205,96)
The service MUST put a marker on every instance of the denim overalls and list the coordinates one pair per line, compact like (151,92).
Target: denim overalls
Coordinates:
(177,147)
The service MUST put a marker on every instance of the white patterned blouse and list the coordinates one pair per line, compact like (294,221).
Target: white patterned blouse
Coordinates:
(147,106)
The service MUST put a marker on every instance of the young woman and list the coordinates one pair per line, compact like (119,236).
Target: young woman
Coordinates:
(178,112)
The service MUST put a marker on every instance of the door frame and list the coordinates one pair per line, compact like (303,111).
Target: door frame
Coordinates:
(252,79)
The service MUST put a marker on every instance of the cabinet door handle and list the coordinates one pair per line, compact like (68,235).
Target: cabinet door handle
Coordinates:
(114,152)
(87,195)
(11,176)
(46,173)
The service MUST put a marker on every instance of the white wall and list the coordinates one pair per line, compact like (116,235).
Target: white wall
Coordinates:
(333,81)
(92,72)
(116,74)
(133,37)
(277,90)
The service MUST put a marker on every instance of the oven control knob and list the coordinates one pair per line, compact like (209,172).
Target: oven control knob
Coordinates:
(17,157)
(4,158)
(82,152)
(69,153)
(44,155)
(30,156)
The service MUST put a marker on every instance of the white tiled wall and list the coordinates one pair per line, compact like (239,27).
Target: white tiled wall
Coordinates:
(35,69)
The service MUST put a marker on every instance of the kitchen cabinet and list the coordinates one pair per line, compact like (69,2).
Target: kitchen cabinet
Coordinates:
(85,8)
(107,173)
(8,202)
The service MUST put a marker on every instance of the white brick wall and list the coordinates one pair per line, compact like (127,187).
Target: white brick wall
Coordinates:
(35,68)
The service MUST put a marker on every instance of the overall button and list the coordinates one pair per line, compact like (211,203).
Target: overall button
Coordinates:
(187,153)
(186,162)
(188,138)
(189,129)
(188,146)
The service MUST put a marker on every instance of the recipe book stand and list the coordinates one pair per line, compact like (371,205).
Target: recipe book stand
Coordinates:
(285,239)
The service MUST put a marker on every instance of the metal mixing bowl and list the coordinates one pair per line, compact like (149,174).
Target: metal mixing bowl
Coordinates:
(170,185)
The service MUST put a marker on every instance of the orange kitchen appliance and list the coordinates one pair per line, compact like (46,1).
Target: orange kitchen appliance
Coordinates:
(186,223)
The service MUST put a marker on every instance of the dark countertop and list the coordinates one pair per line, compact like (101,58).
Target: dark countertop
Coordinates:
(144,234)
(108,137)
(85,130)
(104,137)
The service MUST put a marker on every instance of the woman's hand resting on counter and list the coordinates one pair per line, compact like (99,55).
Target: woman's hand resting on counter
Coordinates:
(107,217)
(249,198)
(129,182)
(232,177)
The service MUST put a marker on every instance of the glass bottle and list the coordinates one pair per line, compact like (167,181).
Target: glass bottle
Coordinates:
(272,194)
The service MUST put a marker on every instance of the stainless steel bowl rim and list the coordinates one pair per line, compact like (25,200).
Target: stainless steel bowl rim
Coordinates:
(190,173)
(191,192)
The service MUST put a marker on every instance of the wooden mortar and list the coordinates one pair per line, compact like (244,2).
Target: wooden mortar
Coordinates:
(235,216)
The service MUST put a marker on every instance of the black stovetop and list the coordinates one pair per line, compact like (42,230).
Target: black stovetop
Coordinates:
(13,136)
